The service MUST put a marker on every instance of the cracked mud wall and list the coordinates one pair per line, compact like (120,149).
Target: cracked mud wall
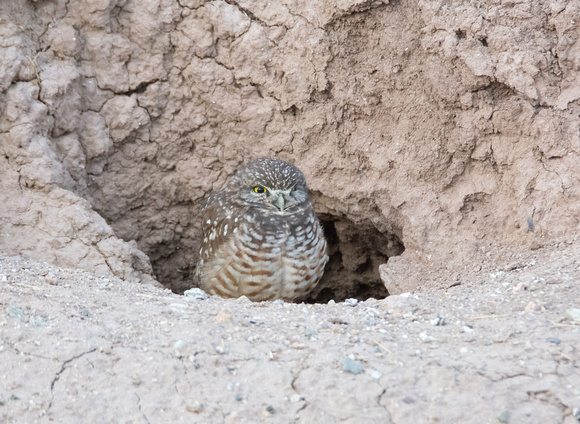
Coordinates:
(443,126)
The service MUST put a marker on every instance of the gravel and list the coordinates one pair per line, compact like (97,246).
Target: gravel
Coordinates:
(75,347)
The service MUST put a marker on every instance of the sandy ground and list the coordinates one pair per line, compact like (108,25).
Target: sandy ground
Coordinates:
(499,343)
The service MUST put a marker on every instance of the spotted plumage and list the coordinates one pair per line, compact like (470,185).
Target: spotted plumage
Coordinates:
(261,237)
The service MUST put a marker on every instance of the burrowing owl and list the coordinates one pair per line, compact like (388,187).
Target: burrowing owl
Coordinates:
(261,237)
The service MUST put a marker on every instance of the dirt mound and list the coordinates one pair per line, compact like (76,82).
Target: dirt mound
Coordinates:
(428,131)
(497,345)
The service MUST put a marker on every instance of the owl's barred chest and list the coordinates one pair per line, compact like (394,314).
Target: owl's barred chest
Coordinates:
(270,256)
(284,235)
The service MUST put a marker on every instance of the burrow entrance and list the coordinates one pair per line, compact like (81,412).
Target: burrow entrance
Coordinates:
(355,251)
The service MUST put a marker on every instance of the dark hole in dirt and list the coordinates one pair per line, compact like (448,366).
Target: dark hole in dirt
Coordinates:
(174,263)
(355,251)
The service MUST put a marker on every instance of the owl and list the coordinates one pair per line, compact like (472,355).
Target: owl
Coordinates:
(261,237)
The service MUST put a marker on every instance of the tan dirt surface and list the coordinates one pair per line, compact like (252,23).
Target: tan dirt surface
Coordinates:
(496,344)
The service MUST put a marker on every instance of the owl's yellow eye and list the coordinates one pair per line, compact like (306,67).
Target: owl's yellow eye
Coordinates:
(294,188)
(259,189)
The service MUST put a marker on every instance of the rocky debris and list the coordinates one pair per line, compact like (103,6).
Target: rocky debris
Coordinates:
(195,293)
(573,314)
(352,366)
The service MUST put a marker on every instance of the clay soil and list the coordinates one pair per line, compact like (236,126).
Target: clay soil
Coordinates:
(496,342)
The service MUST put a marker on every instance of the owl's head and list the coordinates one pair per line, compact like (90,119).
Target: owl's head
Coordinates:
(271,184)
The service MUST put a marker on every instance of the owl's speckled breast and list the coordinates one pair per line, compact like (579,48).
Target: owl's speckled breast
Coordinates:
(261,237)
(284,260)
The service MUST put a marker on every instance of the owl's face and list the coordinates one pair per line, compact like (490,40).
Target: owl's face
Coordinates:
(271,184)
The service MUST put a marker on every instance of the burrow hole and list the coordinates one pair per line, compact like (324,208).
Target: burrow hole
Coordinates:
(355,251)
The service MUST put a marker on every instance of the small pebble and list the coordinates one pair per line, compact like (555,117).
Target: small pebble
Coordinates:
(424,337)
(376,375)
(220,349)
(297,346)
(195,407)
(179,344)
(195,293)
(554,340)
(278,302)
(531,307)
(530,222)
(14,312)
(223,317)
(440,320)
(369,321)
(353,367)
(331,302)
(295,398)
(37,321)
(503,417)
(573,314)
(51,280)
(270,409)
(310,332)
(350,302)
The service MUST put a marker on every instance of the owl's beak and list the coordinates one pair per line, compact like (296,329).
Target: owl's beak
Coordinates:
(279,201)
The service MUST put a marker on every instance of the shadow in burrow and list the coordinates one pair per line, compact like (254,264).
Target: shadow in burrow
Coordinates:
(355,252)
